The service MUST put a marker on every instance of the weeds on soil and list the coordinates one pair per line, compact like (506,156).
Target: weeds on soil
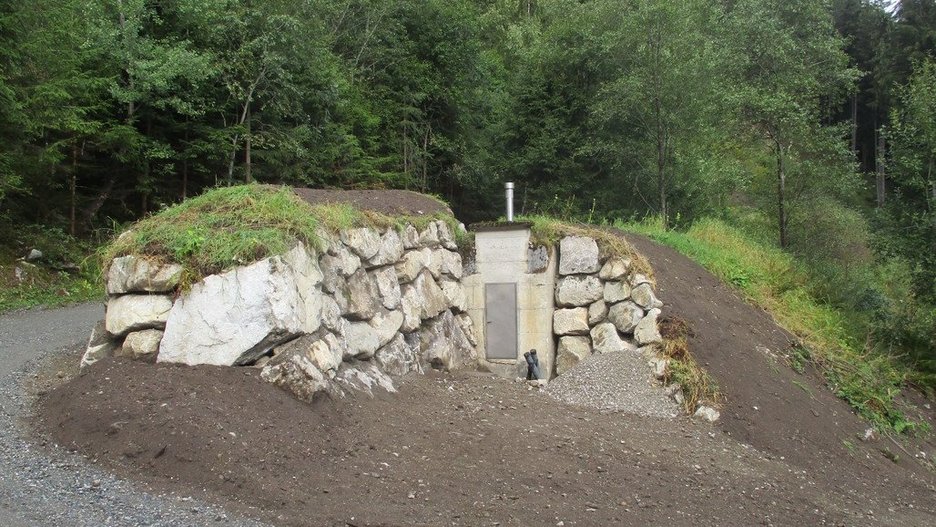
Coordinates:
(697,385)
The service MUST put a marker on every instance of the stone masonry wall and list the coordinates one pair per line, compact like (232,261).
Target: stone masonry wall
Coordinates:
(373,305)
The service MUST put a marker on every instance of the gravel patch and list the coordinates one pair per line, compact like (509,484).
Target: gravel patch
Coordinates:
(44,485)
(618,381)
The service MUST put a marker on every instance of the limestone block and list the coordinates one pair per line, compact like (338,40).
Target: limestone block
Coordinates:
(625,316)
(388,286)
(467,327)
(398,357)
(644,297)
(578,255)
(298,375)
(570,321)
(577,291)
(616,292)
(423,299)
(443,345)
(331,313)
(411,264)
(364,241)
(640,279)
(455,295)
(141,345)
(445,262)
(597,312)
(658,366)
(410,237)
(537,259)
(707,413)
(343,262)
(363,377)
(571,351)
(614,269)
(100,345)
(328,352)
(235,317)
(605,339)
(135,312)
(646,331)
(136,274)
(446,237)
(429,237)
(363,296)
(362,339)
(389,251)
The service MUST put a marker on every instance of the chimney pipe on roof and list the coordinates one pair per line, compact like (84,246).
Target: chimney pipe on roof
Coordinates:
(509,188)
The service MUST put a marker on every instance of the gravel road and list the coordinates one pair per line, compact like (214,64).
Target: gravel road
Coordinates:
(43,485)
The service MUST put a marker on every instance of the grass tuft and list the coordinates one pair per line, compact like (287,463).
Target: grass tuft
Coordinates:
(697,385)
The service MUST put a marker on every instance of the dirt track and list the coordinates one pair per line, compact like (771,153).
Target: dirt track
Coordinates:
(467,449)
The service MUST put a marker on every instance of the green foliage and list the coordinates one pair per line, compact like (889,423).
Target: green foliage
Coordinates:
(868,380)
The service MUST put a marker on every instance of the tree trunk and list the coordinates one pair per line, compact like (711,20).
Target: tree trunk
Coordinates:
(185,163)
(781,196)
(247,175)
(72,228)
(879,170)
(425,158)
(854,125)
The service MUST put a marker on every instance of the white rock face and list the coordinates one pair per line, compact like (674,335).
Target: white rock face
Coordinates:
(388,286)
(136,312)
(446,238)
(365,242)
(100,346)
(646,331)
(362,339)
(363,296)
(570,321)
(363,377)
(398,357)
(454,293)
(640,279)
(429,237)
(605,339)
(578,291)
(578,255)
(141,345)
(343,263)
(597,312)
(410,237)
(235,317)
(467,327)
(445,262)
(644,297)
(443,345)
(331,314)
(423,299)
(625,316)
(614,269)
(389,251)
(571,351)
(658,366)
(412,263)
(616,292)
(135,274)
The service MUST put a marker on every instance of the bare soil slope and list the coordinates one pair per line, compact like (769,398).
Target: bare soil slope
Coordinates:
(468,449)
(389,202)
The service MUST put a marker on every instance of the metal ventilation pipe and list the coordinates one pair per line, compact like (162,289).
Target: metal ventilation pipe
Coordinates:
(509,187)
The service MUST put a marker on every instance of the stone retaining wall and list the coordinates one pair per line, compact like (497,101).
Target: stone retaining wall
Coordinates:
(374,304)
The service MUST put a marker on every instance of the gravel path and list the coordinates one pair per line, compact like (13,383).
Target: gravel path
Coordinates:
(46,486)
(618,381)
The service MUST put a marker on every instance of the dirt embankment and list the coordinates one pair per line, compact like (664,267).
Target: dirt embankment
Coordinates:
(468,449)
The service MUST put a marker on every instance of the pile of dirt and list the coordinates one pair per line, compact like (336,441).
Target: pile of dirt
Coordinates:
(388,202)
(468,449)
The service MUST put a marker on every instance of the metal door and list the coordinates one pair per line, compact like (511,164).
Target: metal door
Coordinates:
(500,316)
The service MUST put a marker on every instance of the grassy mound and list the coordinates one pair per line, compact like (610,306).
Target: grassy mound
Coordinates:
(770,278)
(231,226)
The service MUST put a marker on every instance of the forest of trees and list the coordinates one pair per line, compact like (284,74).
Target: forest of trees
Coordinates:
(811,122)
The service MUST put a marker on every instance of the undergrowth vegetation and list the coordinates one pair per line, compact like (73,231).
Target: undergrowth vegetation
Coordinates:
(238,225)
(833,339)
(696,384)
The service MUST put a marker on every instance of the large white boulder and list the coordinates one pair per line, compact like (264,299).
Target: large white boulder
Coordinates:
(570,321)
(363,377)
(625,316)
(646,331)
(597,312)
(298,374)
(365,242)
(363,296)
(136,312)
(455,294)
(643,296)
(100,345)
(614,269)
(571,351)
(578,255)
(235,317)
(578,291)
(422,299)
(137,274)
(445,262)
(411,264)
(399,357)
(388,286)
